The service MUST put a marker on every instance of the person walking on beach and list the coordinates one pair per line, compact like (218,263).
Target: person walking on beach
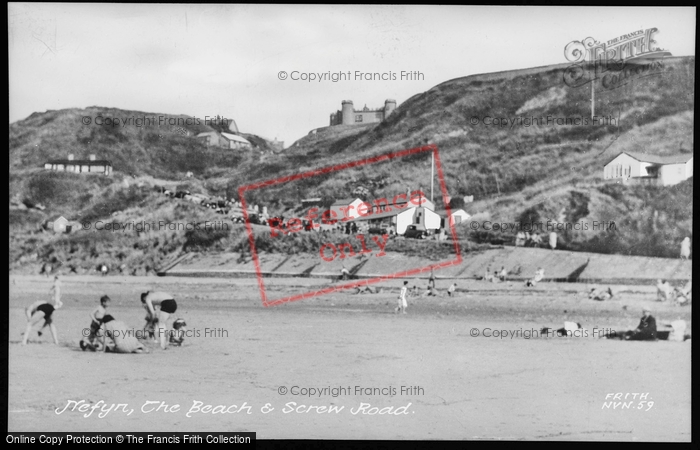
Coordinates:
(403,303)
(55,292)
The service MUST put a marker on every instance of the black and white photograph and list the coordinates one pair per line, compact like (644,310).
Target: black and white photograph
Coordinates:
(242,222)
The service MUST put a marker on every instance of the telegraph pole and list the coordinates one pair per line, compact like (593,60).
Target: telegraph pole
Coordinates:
(432,175)
(592,99)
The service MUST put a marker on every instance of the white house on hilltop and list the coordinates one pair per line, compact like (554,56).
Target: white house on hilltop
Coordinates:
(639,168)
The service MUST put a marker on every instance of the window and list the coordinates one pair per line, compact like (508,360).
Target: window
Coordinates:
(358,118)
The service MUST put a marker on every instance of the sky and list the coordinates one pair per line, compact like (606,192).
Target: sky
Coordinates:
(207,60)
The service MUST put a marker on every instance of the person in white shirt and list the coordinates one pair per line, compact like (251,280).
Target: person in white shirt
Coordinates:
(451,289)
(663,290)
(55,292)
(403,303)
(678,328)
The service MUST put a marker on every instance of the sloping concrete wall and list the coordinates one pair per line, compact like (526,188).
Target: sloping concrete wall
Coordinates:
(521,263)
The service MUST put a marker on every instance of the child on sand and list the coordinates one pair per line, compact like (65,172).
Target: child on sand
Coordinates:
(96,322)
(179,332)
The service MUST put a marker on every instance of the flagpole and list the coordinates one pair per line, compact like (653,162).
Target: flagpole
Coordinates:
(432,175)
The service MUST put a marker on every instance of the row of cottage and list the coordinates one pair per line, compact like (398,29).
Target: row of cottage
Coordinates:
(393,216)
(625,168)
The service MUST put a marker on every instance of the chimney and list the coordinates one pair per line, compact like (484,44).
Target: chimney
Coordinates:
(92,157)
(70,157)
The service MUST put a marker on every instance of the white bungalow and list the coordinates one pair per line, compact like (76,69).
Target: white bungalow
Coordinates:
(639,168)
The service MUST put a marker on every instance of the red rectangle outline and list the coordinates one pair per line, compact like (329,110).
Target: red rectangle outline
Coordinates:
(330,169)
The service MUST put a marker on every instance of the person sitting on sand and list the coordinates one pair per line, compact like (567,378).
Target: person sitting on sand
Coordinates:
(539,276)
(365,290)
(645,331)
(117,338)
(663,290)
(503,274)
(430,292)
(536,240)
(678,328)
(601,295)
(451,290)
(570,329)
(683,295)
(179,332)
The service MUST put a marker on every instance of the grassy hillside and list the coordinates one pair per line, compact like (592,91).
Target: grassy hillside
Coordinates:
(137,143)
(545,171)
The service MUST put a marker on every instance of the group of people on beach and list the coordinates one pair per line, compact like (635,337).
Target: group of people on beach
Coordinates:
(678,295)
(404,293)
(107,333)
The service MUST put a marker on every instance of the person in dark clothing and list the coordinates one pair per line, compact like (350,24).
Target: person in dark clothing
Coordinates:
(646,330)
(431,280)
